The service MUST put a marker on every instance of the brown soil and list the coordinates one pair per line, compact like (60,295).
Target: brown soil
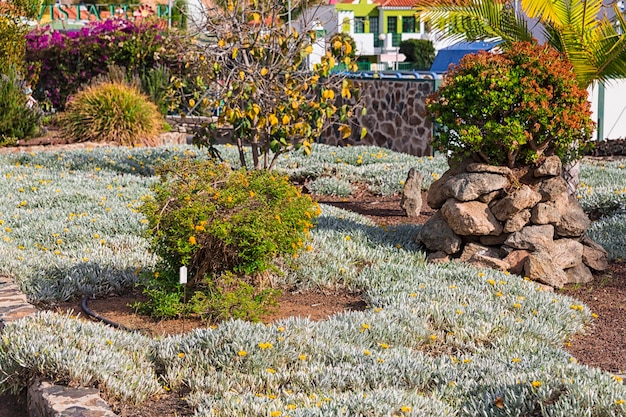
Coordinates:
(602,346)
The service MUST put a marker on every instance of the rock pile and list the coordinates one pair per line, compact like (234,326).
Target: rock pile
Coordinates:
(524,222)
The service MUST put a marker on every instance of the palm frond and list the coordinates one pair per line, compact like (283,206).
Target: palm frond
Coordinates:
(474,20)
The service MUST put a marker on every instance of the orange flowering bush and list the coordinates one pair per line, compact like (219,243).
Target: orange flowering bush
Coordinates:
(512,107)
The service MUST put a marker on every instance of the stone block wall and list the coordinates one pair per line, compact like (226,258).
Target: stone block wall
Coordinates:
(395,118)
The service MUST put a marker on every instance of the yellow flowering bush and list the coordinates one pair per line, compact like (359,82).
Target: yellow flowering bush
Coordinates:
(216,220)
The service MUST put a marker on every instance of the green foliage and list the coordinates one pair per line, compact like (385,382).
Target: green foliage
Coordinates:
(13,28)
(512,108)
(111,112)
(232,297)
(215,220)
(18,118)
(419,51)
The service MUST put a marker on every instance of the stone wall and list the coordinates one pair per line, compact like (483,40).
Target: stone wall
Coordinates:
(521,221)
(395,118)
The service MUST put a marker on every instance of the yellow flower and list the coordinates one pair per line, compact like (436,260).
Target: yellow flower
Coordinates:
(276,413)
(491,281)
(536,384)
(618,378)
(192,240)
(181,355)
(251,194)
(242,353)
(467,360)
(347,238)
(302,357)
(405,409)
(619,402)
(265,345)
(517,305)
(367,352)
(433,337)
(271,371)
(364,327)
(384,345)
(516,360)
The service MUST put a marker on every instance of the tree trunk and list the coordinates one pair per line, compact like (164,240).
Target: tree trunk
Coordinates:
(571,175)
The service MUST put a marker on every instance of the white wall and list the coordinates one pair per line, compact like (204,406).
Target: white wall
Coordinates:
(614,120)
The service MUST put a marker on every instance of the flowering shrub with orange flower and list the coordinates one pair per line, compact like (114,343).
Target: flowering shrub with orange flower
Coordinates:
(512,107)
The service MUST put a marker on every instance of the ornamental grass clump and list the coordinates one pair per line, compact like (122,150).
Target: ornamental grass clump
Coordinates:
(228,227)
(512,108)
(112,112)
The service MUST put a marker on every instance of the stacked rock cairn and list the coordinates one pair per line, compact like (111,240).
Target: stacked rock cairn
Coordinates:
(523,221)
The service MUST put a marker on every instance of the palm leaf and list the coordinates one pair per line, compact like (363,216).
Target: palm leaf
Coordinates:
(473,20)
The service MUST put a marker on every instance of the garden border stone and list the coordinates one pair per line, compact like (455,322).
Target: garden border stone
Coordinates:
(45,399)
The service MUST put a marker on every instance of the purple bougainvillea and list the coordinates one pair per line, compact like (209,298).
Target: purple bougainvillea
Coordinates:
(64,61)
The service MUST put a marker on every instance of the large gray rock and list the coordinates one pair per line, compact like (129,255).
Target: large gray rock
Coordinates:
(411,201)
(539,266)
(552,188)
(545,213)
(532,238)
(566,253)
(471,218)
(470,186)
(551,167)
(579,274)
(517,221)
(520,199)
(574,222)
(594,255)
(436,235)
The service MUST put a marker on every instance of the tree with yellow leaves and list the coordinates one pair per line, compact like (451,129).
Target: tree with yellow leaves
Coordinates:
(262,82)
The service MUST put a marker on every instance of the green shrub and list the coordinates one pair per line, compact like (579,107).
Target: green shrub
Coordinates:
(216,220)
(512,107)
(18,118)
(420,52)
(112,112)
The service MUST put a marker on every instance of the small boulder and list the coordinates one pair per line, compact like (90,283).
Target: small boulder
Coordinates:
(485,261)
(411,201)
(438,257)
(551,167)
(517,221)
(521,199)
(531,237)
(515,261)
(472,249)
(438,193)
(471,218)
(567,253)
(477,167)
(539,266)
(436,235)
(574,222)
(579,274)
(470,186)
(594,255)
(552,188)
(545,213)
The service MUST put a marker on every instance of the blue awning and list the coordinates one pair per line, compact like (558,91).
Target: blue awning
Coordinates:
(453,54)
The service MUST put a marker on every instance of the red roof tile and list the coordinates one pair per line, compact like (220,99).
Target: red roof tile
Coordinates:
(396,3)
